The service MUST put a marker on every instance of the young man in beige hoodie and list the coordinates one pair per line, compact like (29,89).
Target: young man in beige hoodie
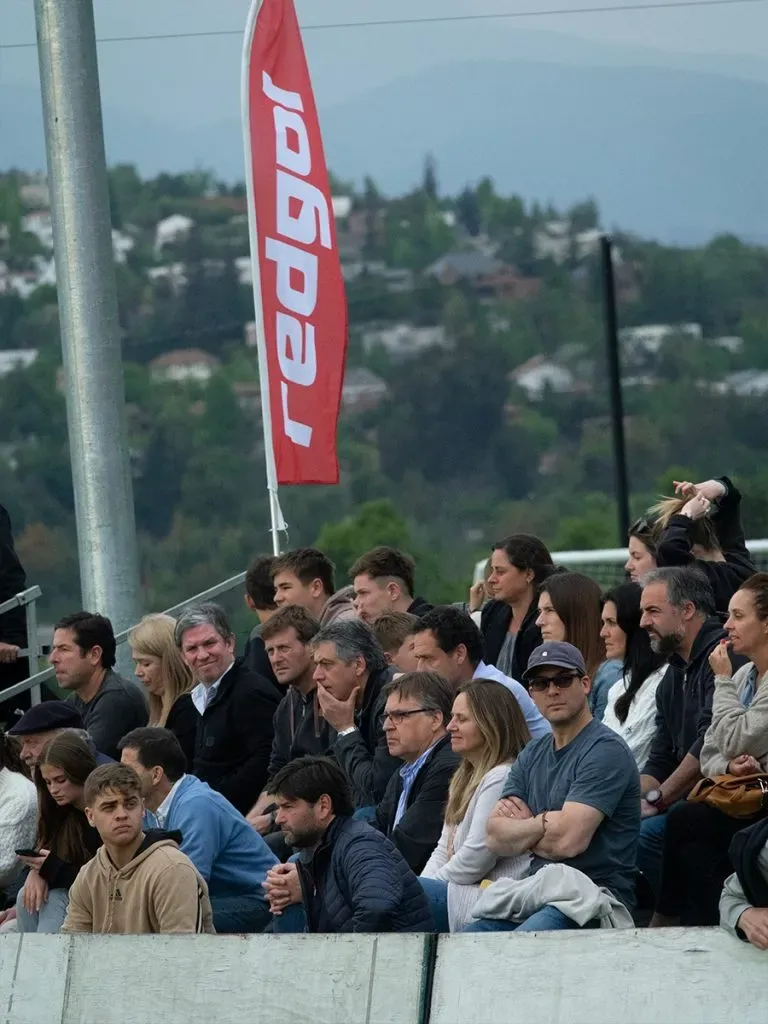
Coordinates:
(137,884)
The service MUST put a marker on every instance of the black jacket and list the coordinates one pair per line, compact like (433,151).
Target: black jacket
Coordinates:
(417,832)
(363,754)
(13,579)
(494,624)
(356,881)
(61,874)
(182,721)
(234,736)
(684,705)
(299,730)
(419,606)
(256,659)
(676,547)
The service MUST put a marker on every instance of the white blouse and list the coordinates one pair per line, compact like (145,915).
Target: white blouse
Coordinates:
(639,727)
(472,861)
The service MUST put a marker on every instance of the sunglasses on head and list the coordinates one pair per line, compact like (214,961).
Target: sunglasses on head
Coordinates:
(539,684)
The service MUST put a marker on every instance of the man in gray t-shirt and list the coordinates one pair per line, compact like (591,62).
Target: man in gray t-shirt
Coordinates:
(572,798)
(595,769)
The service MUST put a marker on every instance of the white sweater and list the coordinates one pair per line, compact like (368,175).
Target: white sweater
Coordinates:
(638,728)
(472,861)
(18,821)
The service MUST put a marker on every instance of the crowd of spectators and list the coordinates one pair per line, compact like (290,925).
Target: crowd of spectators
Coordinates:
(546,757)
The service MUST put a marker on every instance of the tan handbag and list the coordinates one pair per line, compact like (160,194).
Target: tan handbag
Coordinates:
(738,796)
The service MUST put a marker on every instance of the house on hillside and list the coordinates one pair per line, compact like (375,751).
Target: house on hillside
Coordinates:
(647,339)
(488,276)
(538,374)
(362,390)
(183,366)
(248,395)
(122,244)
(396,279)
(34,192)
(16,359)
(342,206)
(175,228)
(40,225)
(402,340)
(556,241)
(174,273)
(744,383)
(244,269)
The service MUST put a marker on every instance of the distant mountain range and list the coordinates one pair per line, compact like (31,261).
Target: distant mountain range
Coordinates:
(677,154)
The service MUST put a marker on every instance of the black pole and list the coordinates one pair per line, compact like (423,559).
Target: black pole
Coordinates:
(614,380)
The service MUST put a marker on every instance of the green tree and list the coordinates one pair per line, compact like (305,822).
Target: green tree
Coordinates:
(376,522)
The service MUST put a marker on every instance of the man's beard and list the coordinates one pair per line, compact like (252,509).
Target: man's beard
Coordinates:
(304,839)
(666,644)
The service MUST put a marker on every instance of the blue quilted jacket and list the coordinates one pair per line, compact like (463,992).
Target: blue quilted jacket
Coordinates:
(356,881)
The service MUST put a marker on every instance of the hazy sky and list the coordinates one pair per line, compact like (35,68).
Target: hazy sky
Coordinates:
(197,80)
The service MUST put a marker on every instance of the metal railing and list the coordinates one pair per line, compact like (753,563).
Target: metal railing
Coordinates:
(604,565)
(36,652)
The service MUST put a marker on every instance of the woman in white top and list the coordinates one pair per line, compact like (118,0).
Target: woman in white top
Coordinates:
(631,707)
(18,812)
(488,730)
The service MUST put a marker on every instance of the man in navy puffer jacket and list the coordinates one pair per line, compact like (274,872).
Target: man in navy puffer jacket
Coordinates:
(348,877)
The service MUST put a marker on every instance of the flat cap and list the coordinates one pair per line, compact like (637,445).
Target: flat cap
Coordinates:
(51,714)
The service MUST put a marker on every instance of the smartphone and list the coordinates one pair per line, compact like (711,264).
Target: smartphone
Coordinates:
(27,853)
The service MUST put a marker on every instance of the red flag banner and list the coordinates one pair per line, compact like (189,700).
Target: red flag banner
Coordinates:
(301,308)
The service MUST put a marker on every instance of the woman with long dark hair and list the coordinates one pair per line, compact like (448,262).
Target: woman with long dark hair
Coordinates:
(631,706)
(65,840)
(519,564)
(569,610)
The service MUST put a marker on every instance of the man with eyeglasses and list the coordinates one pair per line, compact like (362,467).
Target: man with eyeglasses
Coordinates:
(570,798)
(415,716)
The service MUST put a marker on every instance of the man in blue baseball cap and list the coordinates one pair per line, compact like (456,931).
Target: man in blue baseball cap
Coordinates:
(570,798)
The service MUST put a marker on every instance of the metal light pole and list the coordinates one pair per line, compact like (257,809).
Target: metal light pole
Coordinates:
(77,176)
(614,377)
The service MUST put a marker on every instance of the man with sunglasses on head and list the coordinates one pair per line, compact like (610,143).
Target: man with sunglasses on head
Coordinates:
(570,798)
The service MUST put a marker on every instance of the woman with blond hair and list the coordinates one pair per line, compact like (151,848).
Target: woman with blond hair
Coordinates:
(488,731)
(702,526)
(168,680)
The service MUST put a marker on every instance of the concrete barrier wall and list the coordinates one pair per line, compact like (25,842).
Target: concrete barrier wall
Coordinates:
(327,979)
(659,976)
(671,976)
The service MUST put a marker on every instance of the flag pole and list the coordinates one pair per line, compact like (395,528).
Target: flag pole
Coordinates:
(277,521)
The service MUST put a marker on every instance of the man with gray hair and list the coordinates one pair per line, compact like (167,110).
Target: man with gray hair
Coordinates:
(351,673)
(678,613)
(236,708)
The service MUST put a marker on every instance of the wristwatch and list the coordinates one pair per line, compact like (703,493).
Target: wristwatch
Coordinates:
(347,731)
(655,799)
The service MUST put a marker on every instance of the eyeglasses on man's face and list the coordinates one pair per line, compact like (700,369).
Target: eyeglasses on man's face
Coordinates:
(396,717)
(562,681)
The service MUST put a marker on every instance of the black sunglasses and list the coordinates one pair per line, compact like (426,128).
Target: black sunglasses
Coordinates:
(540,684)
